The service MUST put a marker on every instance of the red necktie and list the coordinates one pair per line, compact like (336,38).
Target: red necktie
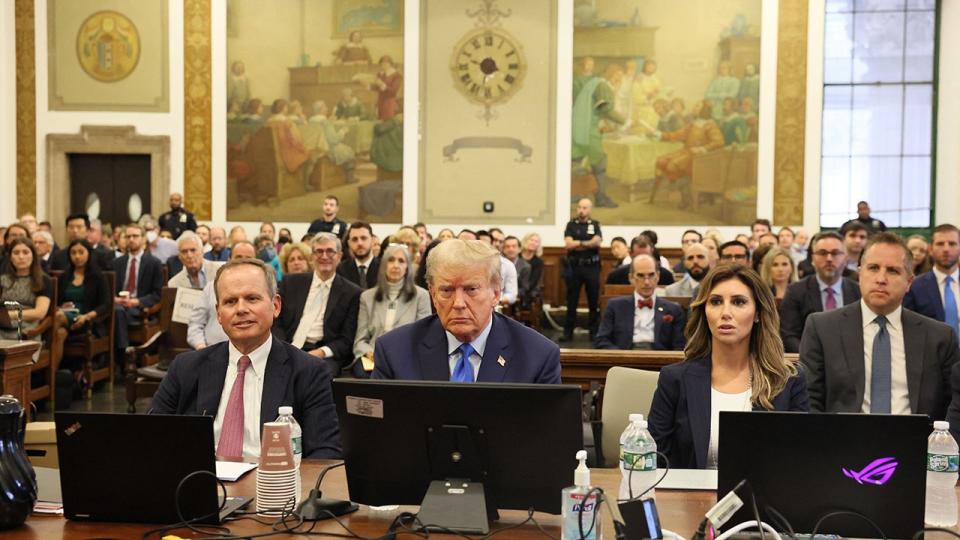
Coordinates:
(648,303)
(132,276)
(231,431)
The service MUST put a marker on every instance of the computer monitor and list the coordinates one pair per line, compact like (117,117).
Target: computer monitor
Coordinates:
(518,440)
(808,465)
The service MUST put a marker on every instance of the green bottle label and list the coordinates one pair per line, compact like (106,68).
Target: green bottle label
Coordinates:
(639,462)
(943,463)
(297,445)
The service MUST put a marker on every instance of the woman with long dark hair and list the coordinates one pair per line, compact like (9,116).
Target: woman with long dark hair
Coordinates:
(22,281)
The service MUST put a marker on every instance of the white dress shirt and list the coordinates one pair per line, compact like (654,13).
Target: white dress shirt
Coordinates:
(311,324)
(720,401)
(643,323)
(899,394)
(509,273)
(252,393)
(479,345)
(941,277)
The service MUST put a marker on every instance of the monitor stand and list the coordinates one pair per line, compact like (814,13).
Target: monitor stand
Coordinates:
(455,505)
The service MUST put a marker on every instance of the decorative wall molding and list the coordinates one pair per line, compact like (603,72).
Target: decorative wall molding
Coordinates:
(197,105)
(791,112)
(104,140)
(26,109)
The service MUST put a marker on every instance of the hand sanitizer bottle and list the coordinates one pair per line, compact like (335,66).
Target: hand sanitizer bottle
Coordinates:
(581,514)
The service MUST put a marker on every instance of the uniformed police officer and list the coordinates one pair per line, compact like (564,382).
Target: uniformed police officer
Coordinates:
(582,239)
(330,222)
(178,219)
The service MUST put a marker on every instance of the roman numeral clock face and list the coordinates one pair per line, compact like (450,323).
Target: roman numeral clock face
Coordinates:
(488,66)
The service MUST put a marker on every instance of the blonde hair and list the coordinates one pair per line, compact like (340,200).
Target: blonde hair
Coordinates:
(456,254)
(289,248)
(769,370)
(528,236)
(766,265)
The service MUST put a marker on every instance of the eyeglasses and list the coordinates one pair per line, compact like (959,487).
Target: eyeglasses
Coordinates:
(650,276)
(733,257)
(325,252)
(825,253)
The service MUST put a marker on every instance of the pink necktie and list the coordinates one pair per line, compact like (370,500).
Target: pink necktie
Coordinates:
(831,300)
(231,432)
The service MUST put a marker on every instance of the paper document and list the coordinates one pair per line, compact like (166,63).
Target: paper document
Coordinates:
(696,479)
(183,305)
(231,471)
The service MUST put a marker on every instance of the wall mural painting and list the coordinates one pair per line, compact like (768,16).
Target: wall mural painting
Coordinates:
(311,113)
(665,110)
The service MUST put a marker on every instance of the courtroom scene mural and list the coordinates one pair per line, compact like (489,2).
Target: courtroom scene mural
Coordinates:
(665,109)
(314,107)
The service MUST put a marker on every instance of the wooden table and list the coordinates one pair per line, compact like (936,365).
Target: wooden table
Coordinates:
(16,359)
(680,511)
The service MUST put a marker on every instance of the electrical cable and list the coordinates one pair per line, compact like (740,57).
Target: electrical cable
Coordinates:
(746,525)
(920,533)
(666,469)
(816,528)
(783,521)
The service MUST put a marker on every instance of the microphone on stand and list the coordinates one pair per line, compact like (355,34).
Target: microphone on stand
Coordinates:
(315,507)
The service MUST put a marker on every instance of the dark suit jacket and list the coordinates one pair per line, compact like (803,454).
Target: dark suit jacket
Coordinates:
(803,298)
(194,385)
(418,351)
(924,296)
(96,296)
(832,351)
(348,269)
(616,328)
(339,320)
(621,276)
(149,278)
(60,259)
(680,412)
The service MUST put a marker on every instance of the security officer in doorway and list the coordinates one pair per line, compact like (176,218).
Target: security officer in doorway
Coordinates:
(582,238)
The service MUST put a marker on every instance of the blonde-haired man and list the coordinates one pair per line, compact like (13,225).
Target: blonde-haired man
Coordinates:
(466,341)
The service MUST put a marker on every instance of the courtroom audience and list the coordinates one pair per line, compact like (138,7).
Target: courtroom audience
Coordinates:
(77,227)
(778,271)
(735,252)
(295,258)
(756,258)
(641,320)
(824,290)
(196,271)
(690,236)
(640,245)
(713,249)
(83,295)
(532,251)
(43,244)
(922,261)
(934,293)
(393,302)
(319,313)
(219,250)
(734,361)
(511,252)
(445,234)
(619,250)
(873,356)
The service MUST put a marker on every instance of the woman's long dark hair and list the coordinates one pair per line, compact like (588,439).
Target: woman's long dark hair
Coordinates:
(36,272)
(92,268)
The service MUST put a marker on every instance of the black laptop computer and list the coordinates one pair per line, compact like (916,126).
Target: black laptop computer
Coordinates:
(808,465)
(126,467)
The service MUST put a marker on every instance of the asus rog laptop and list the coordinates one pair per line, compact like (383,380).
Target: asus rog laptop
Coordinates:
(126,467)
(808,465)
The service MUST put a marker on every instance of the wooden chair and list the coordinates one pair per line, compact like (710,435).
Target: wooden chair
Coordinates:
(54,335)
(682,301)
(89,346)
(145,326)
(143,363)
(607,292)
(529,316)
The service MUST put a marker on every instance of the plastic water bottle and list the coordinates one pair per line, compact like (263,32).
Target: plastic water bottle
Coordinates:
(296,434)
(942,466)
(638,459)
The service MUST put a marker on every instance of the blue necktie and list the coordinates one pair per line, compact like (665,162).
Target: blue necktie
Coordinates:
(463,372)
(880,369)
(950,305)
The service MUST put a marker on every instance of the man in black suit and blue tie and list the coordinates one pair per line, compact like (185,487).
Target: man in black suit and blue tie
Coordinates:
(243,382)
(935,293)
(641,320)
(466,341)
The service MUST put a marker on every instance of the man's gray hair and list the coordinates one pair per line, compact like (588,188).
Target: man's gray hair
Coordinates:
(326,238)
(456,254)
(189,236)
(269,275)
(45,235)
